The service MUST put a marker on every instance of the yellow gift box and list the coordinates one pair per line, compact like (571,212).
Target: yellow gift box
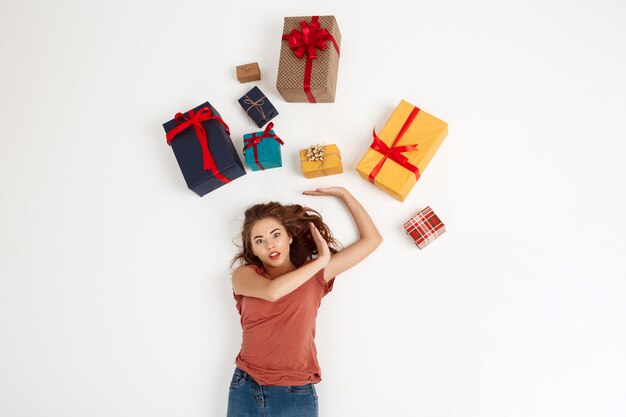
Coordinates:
(401,151)
(320,160)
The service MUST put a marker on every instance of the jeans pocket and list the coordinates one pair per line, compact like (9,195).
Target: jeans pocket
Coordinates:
(239,377)
(301,389)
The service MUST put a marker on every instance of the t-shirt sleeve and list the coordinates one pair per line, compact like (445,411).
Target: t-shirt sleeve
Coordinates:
(239,297)
(328,286)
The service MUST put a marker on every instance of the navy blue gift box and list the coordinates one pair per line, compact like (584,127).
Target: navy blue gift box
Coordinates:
(258,107)
(203,148)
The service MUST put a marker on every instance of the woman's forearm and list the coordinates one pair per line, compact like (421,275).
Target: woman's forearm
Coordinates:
(289,282)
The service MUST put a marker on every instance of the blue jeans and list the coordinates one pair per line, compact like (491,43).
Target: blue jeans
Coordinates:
(246,398)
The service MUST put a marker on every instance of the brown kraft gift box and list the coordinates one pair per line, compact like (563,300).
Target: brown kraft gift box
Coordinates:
(324,67)
(248,72)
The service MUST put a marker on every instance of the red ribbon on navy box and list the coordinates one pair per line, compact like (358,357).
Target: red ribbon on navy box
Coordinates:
(303,44)
(395,152)
(253,141)
(195,119)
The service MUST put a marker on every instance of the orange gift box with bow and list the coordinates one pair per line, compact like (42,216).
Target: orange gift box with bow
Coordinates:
(402,150)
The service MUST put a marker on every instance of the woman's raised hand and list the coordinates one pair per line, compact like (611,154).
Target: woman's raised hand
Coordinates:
(323,251)
(333,191)
(369,236)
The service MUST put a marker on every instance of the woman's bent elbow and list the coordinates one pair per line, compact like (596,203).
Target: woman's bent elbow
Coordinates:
(272,296)
(374,243)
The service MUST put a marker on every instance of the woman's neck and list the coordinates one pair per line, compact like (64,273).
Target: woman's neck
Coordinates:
(276,271)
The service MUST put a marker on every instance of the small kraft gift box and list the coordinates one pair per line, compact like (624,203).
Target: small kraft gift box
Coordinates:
(205,153)
(258,107)
(262,149)
(309,59)
(424,227)
(402,150)
(320,160)
(248,72)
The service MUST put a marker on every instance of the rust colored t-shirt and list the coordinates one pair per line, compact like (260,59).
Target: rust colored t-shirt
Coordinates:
(278,345)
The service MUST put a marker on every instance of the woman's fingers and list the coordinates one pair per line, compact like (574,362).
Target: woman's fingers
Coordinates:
(318,191)
(320,242)
(334,191)
(314,232)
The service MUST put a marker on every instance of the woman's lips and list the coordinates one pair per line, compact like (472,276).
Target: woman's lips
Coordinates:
(274,255)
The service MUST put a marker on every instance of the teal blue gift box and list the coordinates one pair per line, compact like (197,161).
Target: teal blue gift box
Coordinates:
(262,149)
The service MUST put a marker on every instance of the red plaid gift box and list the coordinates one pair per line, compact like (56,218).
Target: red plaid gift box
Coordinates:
(424,227)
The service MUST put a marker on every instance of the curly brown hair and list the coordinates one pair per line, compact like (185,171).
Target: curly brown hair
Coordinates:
(295,218)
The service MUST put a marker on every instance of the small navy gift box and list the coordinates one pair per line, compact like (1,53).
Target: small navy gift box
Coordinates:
(258,107)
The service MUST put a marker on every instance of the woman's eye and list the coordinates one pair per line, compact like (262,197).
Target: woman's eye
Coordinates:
(258,241)
(276,235)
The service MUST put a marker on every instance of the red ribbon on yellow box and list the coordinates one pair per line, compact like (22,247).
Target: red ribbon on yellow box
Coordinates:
(395,152)
(195,119)
(303,44)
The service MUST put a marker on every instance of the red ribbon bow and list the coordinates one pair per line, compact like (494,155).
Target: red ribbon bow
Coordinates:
(395,152)
(303,44)
(195,119)
(253,141)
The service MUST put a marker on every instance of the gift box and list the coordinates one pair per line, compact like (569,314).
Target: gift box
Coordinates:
(320,160)
(424,227)
(309,59)
(258,107)
(205,153)
(248,72)
(262,149)
(401,151)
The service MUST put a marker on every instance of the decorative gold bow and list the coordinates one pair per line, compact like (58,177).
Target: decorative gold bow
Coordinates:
(316,153)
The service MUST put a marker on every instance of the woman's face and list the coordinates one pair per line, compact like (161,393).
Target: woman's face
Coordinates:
(270,242)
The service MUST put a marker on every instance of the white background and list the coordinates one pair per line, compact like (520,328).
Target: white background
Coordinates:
(115,297)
